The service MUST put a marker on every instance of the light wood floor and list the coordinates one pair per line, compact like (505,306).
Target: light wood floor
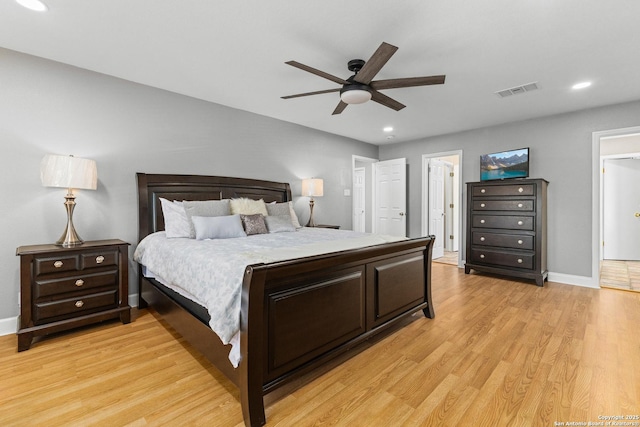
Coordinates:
(498,353)
(620,275)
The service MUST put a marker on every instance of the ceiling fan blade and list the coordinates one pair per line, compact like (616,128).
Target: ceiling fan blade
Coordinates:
(319,92)
(386,101)
(317,72)
(407,82)
(340,108)
(375,63)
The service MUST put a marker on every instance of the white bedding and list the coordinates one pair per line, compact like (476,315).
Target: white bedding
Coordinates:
(211,271)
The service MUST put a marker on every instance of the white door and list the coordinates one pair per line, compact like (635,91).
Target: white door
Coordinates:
(621,209)
(391,197)
(436,205)
(359,200)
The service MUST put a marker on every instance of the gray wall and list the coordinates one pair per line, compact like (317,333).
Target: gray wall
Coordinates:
(47,107)
(560,152)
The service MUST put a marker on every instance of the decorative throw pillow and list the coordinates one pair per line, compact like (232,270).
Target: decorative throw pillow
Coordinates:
(176,223)
(204,208)
(245,206)
(254,224)
(218,227)
(279,223)
(285,208)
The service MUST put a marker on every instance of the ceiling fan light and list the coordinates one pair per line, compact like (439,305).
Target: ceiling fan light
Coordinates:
(355,96)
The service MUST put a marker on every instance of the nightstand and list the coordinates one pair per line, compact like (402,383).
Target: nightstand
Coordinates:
(64,288)
(336,227)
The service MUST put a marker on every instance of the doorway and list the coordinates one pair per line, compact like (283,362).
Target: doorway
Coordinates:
(363,197)
(442,204)
(618,209)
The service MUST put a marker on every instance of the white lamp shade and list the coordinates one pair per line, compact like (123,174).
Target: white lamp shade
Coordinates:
(68,172)
(312,187)
(355,96)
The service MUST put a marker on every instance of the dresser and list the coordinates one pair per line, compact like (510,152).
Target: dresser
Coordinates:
(507,228)
(63,288)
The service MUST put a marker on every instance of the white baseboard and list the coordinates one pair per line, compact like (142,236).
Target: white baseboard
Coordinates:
(9,325)
(570,279)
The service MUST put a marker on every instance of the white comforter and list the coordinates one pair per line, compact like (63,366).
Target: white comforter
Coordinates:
(212,270)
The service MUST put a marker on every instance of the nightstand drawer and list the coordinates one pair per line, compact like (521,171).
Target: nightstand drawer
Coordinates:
(46,265)
(99,259)
(72,307)
(79,283)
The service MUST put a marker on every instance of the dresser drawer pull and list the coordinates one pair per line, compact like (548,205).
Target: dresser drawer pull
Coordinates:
(482,239)
(519,260)
(520,222)
(482,221)
(519,205)
(520,242)
(482,190)
(58,264)
(481,255)
(79,282)
(79,303)
(482,205)
(520,190)
(99,259)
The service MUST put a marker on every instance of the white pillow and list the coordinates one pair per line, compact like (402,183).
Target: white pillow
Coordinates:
(176,223)
(279,223)
(245,206)
(205,208)
(218,227)
(285,208)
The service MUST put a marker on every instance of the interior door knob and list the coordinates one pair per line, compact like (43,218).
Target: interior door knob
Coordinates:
(637,215)
(401,214)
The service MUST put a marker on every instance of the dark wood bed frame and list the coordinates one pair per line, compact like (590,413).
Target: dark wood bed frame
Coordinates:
(295,314)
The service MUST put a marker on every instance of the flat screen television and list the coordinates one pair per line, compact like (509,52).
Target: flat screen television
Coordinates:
(505,165)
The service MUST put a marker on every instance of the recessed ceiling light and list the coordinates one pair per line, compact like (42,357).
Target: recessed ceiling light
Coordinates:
(581,85)
(36,5)
(388,129)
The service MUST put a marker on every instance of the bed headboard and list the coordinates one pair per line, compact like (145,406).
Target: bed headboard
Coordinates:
(197,187)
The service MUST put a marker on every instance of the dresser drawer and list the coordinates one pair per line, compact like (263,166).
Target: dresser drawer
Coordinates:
(503,205)
(504,190)
(77,283)
(507,222)
(99,259)
(72,307)
(515,241)
(46,265)
(506,259)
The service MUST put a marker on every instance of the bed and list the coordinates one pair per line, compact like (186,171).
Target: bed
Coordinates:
(344,297)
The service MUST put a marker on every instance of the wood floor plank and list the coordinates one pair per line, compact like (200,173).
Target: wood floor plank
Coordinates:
(499,352)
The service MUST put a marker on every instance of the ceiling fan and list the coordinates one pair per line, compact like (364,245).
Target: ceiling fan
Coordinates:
(361,87)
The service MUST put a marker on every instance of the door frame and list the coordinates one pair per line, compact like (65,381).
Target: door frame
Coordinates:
(425,196)
(369,180)
(596,197)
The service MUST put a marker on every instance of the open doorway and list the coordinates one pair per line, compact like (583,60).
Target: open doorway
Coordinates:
(442,204)
(615,151)
(363,195)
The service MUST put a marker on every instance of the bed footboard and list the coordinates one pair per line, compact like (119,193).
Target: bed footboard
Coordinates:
(298,314)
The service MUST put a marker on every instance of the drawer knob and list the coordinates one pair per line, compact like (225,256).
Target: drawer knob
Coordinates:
(58,264)
(520,222)
(519,205)
(482,205)
(482,239)
(99,259)
(482,190)
(79,303)
(481,255)
(79,282)
(520,190)
(519,260)
(482,221)
(520,242)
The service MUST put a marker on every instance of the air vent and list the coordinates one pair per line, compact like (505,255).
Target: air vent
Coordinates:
(517,89)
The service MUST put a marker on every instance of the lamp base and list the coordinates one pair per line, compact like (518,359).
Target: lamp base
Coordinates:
(311,223)
(69,238)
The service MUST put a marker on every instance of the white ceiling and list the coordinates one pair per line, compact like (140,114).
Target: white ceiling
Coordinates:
(233,53)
